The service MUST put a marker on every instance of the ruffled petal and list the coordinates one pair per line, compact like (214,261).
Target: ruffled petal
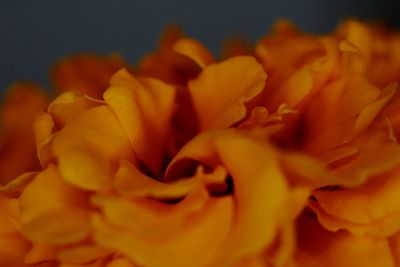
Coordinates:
(221,90)
(89,147)
(144,108)
(69,105)
(46,202)
(190,237)
(319,247)
(370,208)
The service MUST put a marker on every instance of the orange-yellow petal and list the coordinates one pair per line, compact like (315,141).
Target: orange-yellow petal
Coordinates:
(89,148)
(144,108)
(220,92)
(319,247)
(191,240)
(46,203)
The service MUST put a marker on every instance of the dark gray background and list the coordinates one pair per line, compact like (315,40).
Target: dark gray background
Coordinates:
(35,33)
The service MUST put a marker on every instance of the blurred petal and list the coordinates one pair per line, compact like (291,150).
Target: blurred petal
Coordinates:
(41,253)
(121,263)
(319,247)
(86,73)
(46,203)
(23,103)
(257,218)
(167,65)
(82,254)
(195,51)
(371,208)
(13,247)
(191,238)
(394,242)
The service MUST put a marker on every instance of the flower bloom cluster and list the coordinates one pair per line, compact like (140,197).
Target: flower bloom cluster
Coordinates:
(282,154)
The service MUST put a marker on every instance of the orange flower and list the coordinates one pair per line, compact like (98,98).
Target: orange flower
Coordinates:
(187,161)
(131,184)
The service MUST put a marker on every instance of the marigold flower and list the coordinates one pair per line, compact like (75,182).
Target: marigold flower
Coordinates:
(281,155)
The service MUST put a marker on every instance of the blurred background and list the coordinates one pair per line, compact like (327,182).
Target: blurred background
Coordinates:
(35,34)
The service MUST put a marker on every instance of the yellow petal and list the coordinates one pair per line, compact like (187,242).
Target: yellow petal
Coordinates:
(43,128)
(221,90)
(191,240)
(294,89)
(144,108)
(151,218)
(130,182)
(372,206)
(258,200)
(69,105)
(46,203)
(89,148)
(319,247)
(257,218)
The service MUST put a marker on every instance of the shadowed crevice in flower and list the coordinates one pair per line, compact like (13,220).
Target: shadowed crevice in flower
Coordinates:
(183,168)
(171,201)
(221,190)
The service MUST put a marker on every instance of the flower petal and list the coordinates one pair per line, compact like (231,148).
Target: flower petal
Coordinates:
(195,51)
(13,247)
(69,105)
(45,203)
(319,247)
(89,148)
(86,73)
(144,108)
(220,91)
(191,239)
(370,208)
(23,103)
(130,182)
